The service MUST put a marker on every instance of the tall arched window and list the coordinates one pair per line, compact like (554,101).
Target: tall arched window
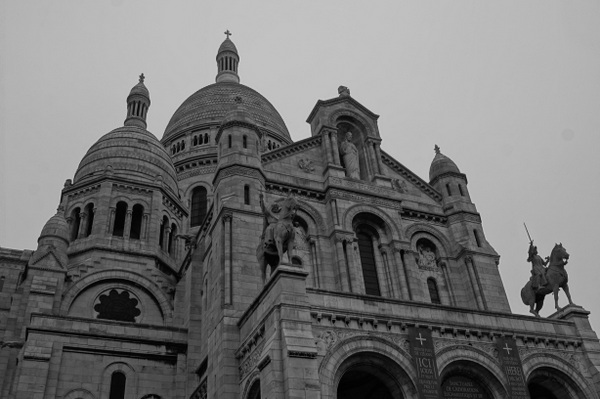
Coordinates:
(460,189)
(367,259)
(120,214)
(477,239)
(161,237)
(2,283)
(172,236)
(117,385)
(89,210)
(136,222)
(205,138)
(229,140)
(434,294)
(76,221)
(199,205)
(245,141)
(448,189)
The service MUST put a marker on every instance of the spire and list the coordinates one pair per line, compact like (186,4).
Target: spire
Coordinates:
(227,61)
(138,102)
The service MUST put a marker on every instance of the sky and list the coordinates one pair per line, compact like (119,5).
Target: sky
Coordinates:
(509,90)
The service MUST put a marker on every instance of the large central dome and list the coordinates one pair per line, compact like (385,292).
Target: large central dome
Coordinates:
(209,105)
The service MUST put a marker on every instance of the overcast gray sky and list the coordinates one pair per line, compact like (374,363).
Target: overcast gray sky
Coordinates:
(509,90)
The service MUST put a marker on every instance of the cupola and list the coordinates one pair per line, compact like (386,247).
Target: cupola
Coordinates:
(227,61)
(138,102)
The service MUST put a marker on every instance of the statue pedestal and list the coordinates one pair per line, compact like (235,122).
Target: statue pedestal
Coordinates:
(579,316)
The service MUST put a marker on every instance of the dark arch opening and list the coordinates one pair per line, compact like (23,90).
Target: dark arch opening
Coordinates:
(161,234)
(548,383)
(254,392)
(136,221)
(434,294)
(462,376)
(118,382)
(367,259)
(120,214)
(172,235)
(199,206)
(89,210)
(246,195)
(76,221)
(362,384)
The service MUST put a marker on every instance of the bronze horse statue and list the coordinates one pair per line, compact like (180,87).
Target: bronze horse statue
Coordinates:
(556,277)
(278,234)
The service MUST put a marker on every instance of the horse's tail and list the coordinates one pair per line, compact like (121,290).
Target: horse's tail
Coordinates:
(527,294)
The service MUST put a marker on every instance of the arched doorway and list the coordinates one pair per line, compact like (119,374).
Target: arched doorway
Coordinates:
(548,383)
(465,378)
(361,384)
(368,375)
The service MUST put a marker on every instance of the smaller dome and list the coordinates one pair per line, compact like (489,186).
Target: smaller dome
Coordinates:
(57,227)
(441,164)
(227,45)
(140,89)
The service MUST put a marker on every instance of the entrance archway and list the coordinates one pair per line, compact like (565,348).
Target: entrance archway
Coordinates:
(369,375)
(360,384)
(548,383)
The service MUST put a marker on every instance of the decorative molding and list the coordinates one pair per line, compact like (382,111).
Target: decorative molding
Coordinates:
(291,149)
(129,188)
(369,188)
(177,211)
(410,176)
(334,193)
(84,191)
(236,170)
(302,354)
(264,363)
(195,171)
(281,189)
(201,391)
(251,361)
(414,214)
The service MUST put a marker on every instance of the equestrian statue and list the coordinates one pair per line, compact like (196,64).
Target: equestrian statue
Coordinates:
(545,280)
(278,232)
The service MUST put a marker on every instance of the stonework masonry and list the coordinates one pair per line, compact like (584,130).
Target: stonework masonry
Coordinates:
(146,283)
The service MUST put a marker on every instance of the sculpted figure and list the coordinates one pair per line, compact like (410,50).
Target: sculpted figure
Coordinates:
(426,257)
(538,267)
(350,156)
(278,233)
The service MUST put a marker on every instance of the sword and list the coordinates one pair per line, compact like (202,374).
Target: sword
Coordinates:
(528,235)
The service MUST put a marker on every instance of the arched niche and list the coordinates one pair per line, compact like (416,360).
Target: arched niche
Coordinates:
(463,377)
(358,135)
(550,383)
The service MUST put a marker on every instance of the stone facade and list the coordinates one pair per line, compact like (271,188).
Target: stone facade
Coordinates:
(146,284)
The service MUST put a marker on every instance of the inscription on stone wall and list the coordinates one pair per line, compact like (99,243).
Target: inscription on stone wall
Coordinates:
(508,356)
(421,349)
(464,388)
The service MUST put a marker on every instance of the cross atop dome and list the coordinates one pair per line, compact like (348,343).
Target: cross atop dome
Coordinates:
(142,77)
(228,33)
(436,149)
(227,61)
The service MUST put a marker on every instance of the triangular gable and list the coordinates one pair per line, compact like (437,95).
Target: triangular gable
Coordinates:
(49,258)
(410,177)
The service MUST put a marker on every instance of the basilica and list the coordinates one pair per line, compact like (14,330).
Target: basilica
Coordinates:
(227,261)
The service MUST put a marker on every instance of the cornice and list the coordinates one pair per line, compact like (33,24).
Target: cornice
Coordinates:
(291,149)
(410,176)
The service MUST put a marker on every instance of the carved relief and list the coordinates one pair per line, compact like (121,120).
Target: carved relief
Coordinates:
(306,165)
(251,361)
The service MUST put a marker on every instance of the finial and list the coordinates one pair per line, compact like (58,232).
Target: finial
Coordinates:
(228,33)
(142,77)
(436,149)
(343,91)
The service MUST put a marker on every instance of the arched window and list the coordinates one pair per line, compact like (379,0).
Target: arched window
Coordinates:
(245,141)
(199,206)
(246,195)
(254,392)
(205,138)
(296,261)
(120,214)
(367,259)
(117,385)
(477,239)
(460,190)
(229,140)
(136,221)
(183,145)
(2,283)
(172,237)
(76,221)
(448,189)
(161,236)
(433,291)
(89,210)
(196,140)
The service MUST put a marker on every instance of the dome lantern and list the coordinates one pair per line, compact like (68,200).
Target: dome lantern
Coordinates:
(227,61)
(138,102)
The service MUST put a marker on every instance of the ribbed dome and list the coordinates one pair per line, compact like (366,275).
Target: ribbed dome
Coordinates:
(56,226)
(129,152)
(209,105)
(440,165)
(140,89)
(227,45)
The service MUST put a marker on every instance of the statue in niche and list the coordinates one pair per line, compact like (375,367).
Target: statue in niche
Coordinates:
(278,232)
(426,257)
(300,237)
(350,157)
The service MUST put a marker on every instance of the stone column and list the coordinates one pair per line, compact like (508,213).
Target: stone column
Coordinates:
(111,220)
(356,275)
(444,268)
(389,271)
(402,279)
(144,227)
(335,148)
(326,144)
(93,221)
(82,225)
(227,221)
(127,228)
(334,212)
(341,263)
(378,156)
(474,283)
(312,244)
(166,233)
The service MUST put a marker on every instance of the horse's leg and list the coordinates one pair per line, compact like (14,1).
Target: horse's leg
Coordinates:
(565,288)
(555,291)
